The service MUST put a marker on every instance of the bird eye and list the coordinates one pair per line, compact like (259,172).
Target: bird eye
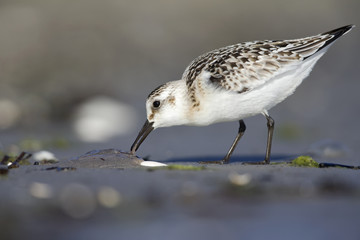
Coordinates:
(156,104)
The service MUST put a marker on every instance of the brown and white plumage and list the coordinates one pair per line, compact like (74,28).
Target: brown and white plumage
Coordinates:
(235,82)
(244,66)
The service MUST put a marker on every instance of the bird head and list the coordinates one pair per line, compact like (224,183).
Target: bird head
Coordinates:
(165,106)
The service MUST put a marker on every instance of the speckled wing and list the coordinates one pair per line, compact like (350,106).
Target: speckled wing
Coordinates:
(245,66)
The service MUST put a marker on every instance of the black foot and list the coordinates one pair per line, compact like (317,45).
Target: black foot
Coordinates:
(220,162)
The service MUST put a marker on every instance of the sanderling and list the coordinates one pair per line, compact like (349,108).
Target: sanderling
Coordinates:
(236,82)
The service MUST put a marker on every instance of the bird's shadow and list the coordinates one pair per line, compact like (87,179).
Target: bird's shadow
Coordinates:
(233,159)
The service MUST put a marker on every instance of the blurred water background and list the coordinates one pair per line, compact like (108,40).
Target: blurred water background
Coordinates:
(80,71)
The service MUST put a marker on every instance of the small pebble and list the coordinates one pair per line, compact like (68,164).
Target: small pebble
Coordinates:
(152,164)
(46,156)
(239,179)
(41,190)
(109,197)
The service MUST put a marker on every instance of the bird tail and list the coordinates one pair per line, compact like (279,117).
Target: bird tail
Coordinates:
(313,45)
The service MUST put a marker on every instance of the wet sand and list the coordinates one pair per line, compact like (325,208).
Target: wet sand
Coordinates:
(121,200)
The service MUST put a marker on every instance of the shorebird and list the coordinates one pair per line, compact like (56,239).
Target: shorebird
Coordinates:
(236,82)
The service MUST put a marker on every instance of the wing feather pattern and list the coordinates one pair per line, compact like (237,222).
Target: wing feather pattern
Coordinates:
(245,66)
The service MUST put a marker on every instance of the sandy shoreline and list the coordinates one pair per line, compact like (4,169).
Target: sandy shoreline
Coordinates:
(274,201)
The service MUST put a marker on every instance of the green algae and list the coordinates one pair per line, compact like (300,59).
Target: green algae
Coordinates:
(304,161)
(300,161)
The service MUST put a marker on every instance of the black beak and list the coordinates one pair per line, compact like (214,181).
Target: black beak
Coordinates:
(144,132)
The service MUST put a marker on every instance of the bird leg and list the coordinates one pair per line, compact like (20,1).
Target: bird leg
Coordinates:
(270,126)
(226,159)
